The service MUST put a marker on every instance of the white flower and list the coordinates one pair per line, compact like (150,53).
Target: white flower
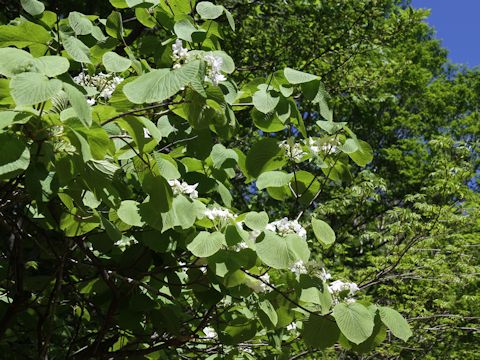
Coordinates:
(254,234)
(261,284)
(292,326)
(293,151)
(179,52)
(214,67)
(316,146)
(105,84)
(284,227)
(215,214)
(240,246)
(91,101)
(325,275)
(209,332)
(339,286)
(298,268)
(182,188)
(146,133)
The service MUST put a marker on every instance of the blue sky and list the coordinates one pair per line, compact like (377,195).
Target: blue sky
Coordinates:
(457,24)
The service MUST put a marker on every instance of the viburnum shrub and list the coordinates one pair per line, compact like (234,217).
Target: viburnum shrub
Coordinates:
(122,237)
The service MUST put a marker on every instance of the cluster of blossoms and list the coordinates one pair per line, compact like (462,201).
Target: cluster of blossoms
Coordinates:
(182,188)
(293,151)
(343,290)
(219,214)
(261,285)
(298,268)
(316,146)
(284,227)
(214,63)
(105,84)
(209,332)
(240,246)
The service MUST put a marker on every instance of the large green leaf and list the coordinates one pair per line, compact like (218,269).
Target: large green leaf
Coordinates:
(114,25)
(33,7)
(23,35)
(320,332)
(363,155)
(159,190)
(159,85)
(14,156)
(13,61)
(395,322)
(265,100)
(265,155)
(51,66)
(355,321)
(115,63)
(207,10)
(268,310)
(220,154)
(129,213)
(298,77)
(281,252)
(273,179)
(77,50)
(206,244)
(323,232)
(256,220)
(79,103)
(33,88)
(80,23)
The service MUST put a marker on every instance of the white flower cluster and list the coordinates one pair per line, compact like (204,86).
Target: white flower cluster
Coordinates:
(240,246)
(343,290)
(325,275)
(214,69)
(295,151)
(292,326)
(284,227)
(182,188)
(220,214)
(214,63)
(298,268)
(316,146)
(209,332)
(261,285)
(104,83)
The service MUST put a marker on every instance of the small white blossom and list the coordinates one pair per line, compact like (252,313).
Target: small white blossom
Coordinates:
(105,84)
(295,151)
(339,286)
(91,101)
(325,275)
(316,146)
(182,188)
(261,285)
(179,52)
(254,234)
(146,133)
(292,326)
(203,269)
(298,268)
(284,227)
(214,67)
(240,246)
(209,332)
(215,214)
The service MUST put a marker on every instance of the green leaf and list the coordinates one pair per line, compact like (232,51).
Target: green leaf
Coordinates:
(330,126)
(273,179)
(256,220)
(8,118)
(159,190)
(51,66)
(323,232)
(167,166)
(395,322)
(79,104)
(264,101)
(77,50)
(33,88)
(13,61)
(115,63)
(23,35)
(33,7)
(206,244)
(267,308)
(265,155)
(114,25)
(355,321)
(230,19)
(267,122)
(184,29)
(209,11)
(349,146)
(363,155)
(320,332)
(159,85)
(14,156)
(220,154)
(80,23)
(298,77)
(281,252)
(128,212)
